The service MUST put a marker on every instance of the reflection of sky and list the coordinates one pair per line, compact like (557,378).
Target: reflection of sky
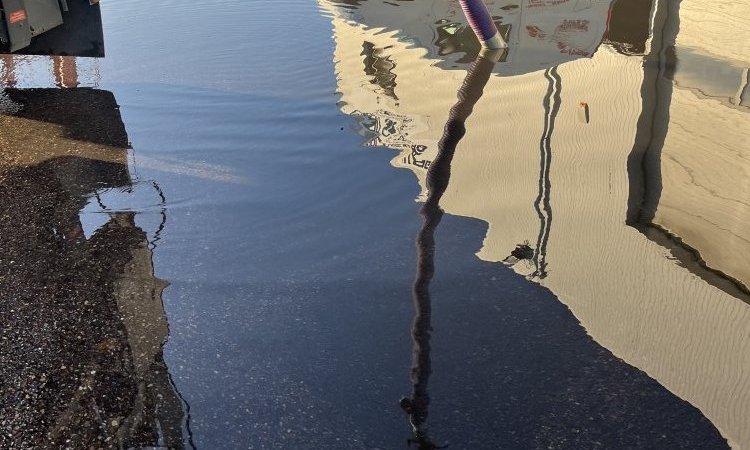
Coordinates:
(209,44)
(158,42)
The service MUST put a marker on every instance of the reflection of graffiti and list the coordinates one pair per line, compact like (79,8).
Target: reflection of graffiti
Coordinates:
(386,129)
(383,128)
(544,3)
(536,32)
(565,36)
(413,157)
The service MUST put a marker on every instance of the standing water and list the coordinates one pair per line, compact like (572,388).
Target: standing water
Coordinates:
(206,245)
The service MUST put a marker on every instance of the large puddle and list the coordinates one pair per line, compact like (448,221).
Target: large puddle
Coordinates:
(206,245)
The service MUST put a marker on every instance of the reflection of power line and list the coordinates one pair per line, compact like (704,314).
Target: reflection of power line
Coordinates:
(162,210)
(542,202)
(163,206)
(99,201)
(187,432)
(438,177)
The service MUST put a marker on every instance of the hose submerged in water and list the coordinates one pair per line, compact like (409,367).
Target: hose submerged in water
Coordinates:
(482,24)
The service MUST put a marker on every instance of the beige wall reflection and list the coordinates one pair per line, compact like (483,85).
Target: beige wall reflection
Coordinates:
(689,329)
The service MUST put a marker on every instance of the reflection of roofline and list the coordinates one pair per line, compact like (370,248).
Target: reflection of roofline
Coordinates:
(691,259)
(464,48)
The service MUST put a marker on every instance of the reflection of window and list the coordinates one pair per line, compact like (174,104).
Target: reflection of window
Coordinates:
(629,26)
(380,68)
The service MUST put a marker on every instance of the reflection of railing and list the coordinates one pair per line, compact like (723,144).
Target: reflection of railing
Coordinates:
(438,176)
(542,203)
(537,255)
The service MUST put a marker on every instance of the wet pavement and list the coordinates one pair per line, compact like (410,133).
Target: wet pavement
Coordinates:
(206,245)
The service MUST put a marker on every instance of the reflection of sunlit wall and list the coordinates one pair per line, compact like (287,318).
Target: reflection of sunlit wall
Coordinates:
(719,29)
(705,163)
(626,290)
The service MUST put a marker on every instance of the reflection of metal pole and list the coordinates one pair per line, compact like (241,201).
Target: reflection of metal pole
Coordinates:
(482,24)
(542,202)
(437,182)
(8,76)
(65,71)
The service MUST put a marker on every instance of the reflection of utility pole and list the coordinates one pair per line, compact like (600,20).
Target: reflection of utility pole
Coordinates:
(8,75)
(438,177)
(65,71)
(542,202)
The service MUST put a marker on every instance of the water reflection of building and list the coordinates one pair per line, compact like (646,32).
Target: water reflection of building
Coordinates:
(647,298)
(83,320)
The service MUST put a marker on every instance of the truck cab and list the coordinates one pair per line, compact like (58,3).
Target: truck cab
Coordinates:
(51,27)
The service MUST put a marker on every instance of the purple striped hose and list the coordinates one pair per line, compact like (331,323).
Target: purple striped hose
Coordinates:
(482,24)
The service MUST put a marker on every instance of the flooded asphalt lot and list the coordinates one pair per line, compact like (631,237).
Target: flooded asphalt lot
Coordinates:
(206,245)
